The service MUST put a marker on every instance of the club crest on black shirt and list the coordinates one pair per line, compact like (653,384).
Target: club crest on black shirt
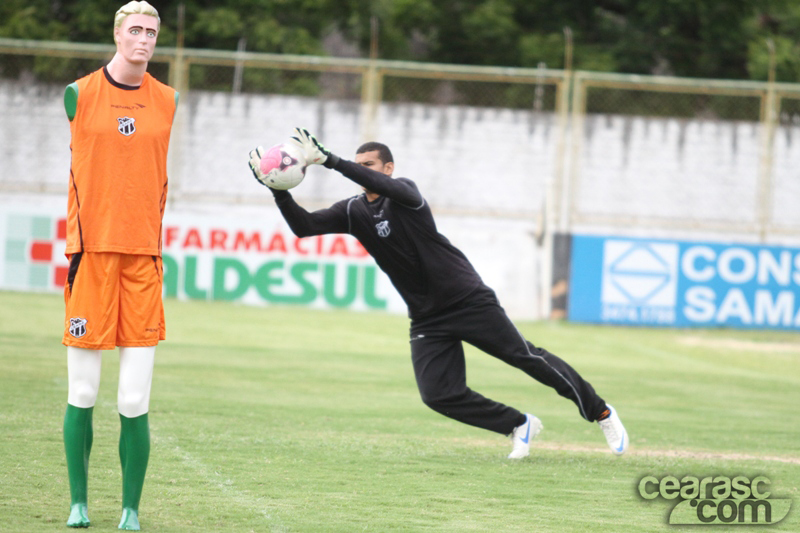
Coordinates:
(383,228)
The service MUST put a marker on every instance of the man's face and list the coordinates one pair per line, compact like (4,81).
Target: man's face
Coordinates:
(136,38)
(372,161)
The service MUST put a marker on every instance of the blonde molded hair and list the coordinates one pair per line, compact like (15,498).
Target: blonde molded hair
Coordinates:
(135,8)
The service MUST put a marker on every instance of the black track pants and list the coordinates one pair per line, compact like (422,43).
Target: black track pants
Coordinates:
(440,368)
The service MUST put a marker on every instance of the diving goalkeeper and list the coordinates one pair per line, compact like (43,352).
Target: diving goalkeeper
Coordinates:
(447,301)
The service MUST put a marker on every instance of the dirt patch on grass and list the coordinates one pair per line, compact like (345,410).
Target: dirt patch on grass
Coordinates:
(633,451)
(740,345)
(678,454)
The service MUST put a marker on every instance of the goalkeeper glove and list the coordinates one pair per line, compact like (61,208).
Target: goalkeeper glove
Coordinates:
(315,153)
(255,165)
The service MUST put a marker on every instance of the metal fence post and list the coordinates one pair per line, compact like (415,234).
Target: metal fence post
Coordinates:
(179,80)
(371,94)
(769,120)
(577,116)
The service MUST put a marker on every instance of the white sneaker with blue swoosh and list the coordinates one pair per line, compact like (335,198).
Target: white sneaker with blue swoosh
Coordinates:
(616,436)
(522,436)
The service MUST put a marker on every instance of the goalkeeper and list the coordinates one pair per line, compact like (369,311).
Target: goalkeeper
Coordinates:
(447,301)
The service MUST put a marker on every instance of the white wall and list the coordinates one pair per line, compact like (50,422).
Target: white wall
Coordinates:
(470,163)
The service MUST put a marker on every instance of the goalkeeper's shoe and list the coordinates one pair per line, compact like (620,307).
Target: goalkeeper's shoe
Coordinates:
(616,436)
(522,436)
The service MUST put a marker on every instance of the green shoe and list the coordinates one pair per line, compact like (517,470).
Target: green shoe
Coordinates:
(130,520)
(78,515)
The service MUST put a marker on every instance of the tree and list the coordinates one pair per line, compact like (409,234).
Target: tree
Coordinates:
(701,38)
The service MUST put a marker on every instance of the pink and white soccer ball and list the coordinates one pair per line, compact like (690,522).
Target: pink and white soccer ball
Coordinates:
(284,166)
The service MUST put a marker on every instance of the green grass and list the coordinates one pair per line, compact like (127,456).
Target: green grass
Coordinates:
(283,419)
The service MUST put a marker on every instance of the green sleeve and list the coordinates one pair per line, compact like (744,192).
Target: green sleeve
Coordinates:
(71,100)
(177,97)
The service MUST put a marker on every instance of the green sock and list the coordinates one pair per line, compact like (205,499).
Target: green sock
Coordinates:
(77,445)
(134,451)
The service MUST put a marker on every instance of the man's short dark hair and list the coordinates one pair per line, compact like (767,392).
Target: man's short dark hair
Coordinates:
(384,154)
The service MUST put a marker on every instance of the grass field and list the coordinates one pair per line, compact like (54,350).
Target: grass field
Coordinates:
(282,419)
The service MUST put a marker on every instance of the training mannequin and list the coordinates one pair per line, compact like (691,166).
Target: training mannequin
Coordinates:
(120,121)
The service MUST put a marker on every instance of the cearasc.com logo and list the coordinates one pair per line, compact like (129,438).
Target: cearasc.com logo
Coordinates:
(717,499)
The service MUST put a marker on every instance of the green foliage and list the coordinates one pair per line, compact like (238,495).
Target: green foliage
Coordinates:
(701,38)
(29,20)
(776,23)
(492,22)
(538,48)
(787,59)
(90,21)
(223,26)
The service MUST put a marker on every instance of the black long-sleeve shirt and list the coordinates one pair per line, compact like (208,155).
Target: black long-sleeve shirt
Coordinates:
(399,232)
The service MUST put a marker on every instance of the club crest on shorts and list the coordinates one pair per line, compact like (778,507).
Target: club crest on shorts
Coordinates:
(383,228)
(126,125)
(77,327)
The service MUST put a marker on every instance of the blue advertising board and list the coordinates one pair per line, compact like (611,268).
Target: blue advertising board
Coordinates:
(683,283)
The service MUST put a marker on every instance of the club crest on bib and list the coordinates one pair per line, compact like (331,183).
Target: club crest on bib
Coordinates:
(77,327)
(383,228)
(126,125)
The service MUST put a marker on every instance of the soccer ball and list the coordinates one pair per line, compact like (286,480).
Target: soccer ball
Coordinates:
(283,166)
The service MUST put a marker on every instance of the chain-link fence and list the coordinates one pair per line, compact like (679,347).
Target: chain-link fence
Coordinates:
(669,154)
(582,150)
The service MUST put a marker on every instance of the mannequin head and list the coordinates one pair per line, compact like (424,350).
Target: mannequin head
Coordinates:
(135,8)
(136,26)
